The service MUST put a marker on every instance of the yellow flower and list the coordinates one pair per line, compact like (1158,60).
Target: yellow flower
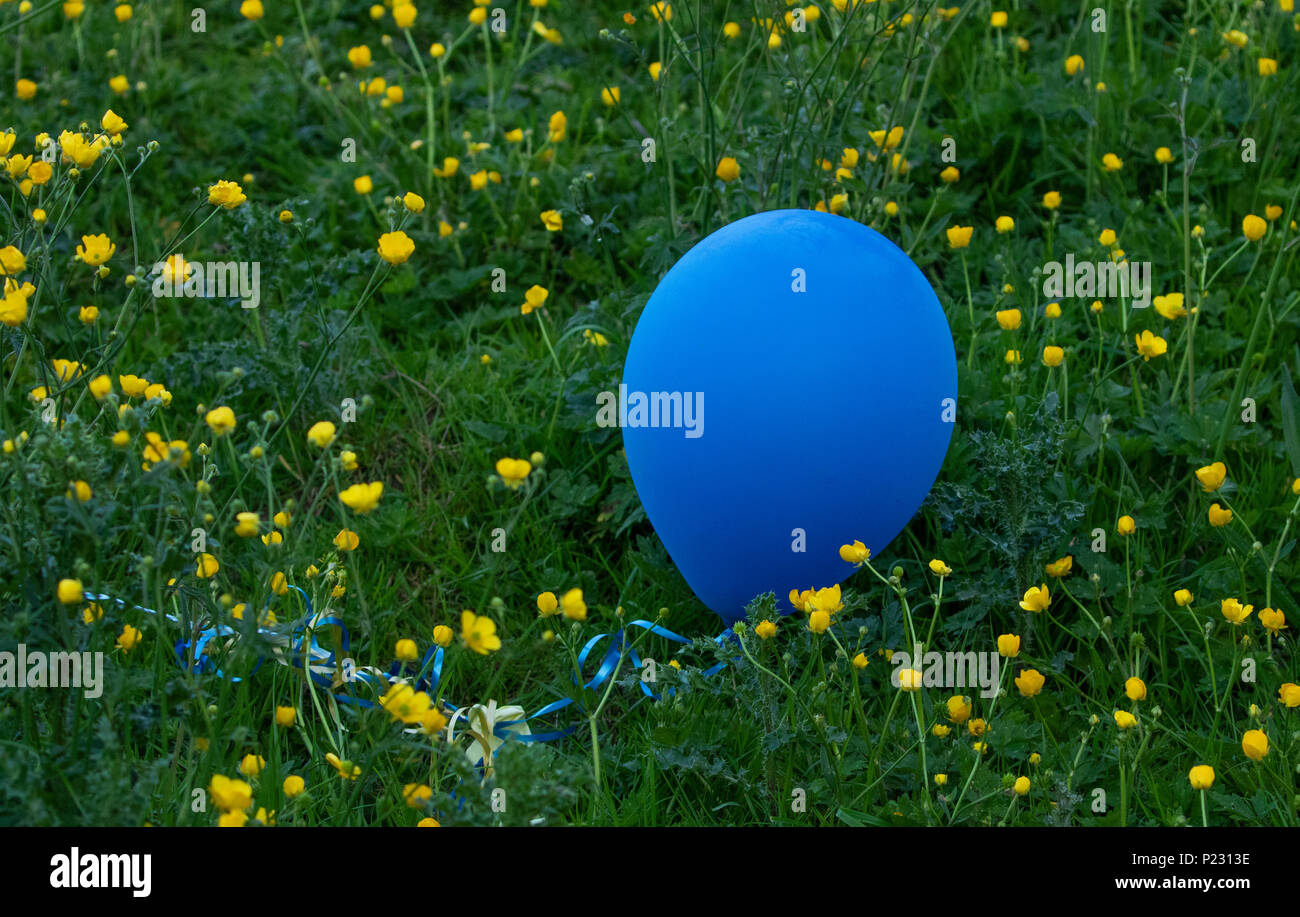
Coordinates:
(251,9)
(661,11)
(346,540)
(728,169)
(998,20)
(246,524)
(230,795)
(1170,307)
(1008,319)
(79,491)
(1267,66)
(1061,567)
(1274,620)
(95,250)
(827,600)
(206,566)
(1150,345)
(413,202)
(285,716)
(1136,689)
(321,434)
(1253,227)
(1183,597)
(221,420)
(610,95)
(959,709)
(766,630)
(959,236)
(1036,599)
(1255,744)
(450,165)
(977,727)
(1236,37)
(112,123)
(346,769)
(69,591)
(1124,719)
(556,127)
(1201,777)
(547,604)
(1126,525)
(395,247)
(939,730)
(1234,611)
(25,89)
(362,498)
(404,15)
(443,635)
(1289,694)
(1005,224)
(359,57)
(406,704)
(1112,163)
(909,679)
(552,220)
(12,260)
(887,140)
(1009,645)
(293,786)
(1030,682)
(1021,786)
(941,779)
(1052,199)
(939,568)
(362,184)
(1053,355)
(513,471)
(252,765)
(226,194)
(128,639)
(534,297)
(480,633)
(119,84)
(950,175)
(1211,476)
(573,605)
(1219,516)
(1073,64)
(855,553)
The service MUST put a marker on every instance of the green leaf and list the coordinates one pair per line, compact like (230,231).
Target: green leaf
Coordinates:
(1289,420)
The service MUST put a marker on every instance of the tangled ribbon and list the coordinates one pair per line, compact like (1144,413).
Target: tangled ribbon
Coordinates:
(299,649)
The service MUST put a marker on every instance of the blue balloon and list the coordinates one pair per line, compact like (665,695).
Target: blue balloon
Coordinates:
(790,387)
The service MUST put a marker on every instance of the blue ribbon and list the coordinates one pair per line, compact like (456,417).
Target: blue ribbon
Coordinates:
(307,654)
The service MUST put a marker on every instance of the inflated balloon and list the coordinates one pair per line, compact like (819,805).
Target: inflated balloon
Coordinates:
(790,387)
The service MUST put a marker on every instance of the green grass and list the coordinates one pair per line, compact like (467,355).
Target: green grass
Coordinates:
(789,732)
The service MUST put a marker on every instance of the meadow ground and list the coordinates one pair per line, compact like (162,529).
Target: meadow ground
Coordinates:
(456,221)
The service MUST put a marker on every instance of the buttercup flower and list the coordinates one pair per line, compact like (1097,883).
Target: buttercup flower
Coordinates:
(226,194)
(1036,598)
(480,633)
(1254,744)
(1030,682)
(1201,777)
(395,247)
(95,250)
